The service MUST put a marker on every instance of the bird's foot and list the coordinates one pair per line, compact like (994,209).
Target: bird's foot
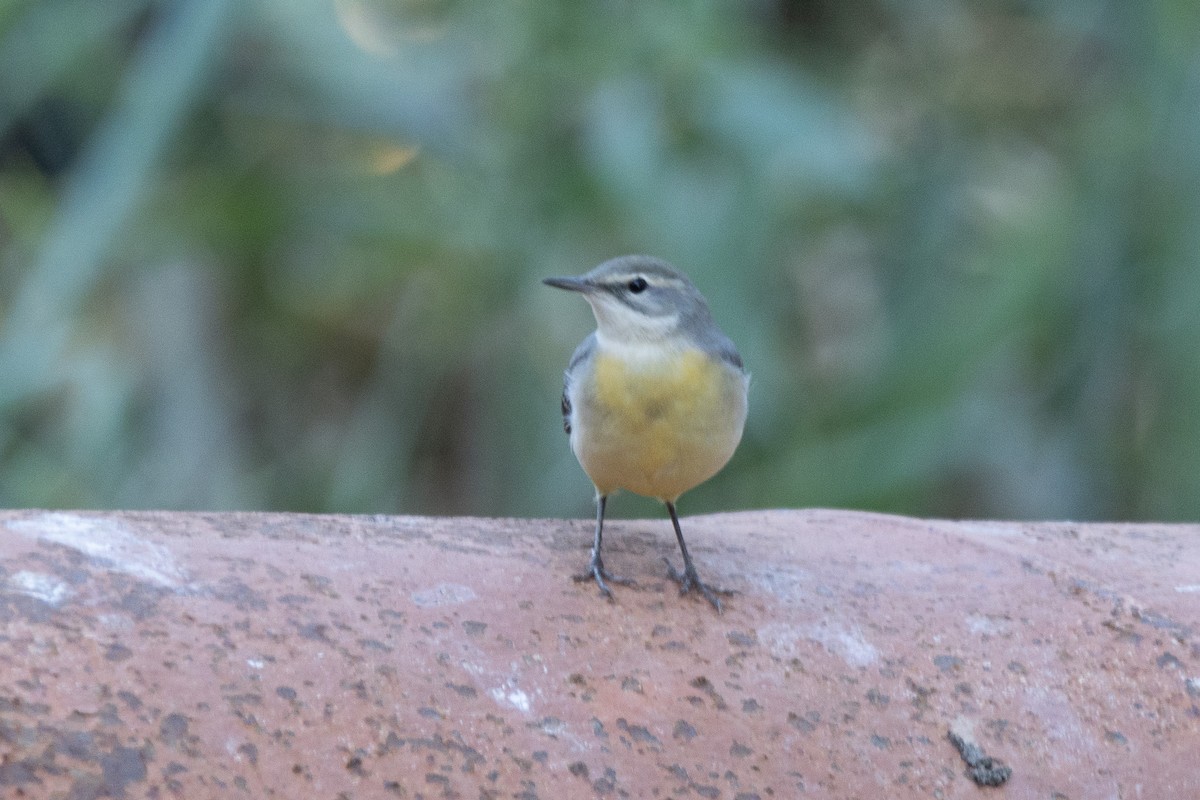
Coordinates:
(596,571)
(688,580)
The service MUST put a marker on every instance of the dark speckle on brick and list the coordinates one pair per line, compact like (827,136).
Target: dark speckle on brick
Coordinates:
(806,723)
(76,744)
(141,602)
(639,733)
(314,631)
(921,694)
(740,639)
(109,716)
(705,685)
(117,652)
(947,662)
(320,585)
(233,590)
(684,731)
(121,767)
(474,628)
(249,751)
(606,784)
(173,728)
(739,750)
(1168,659)
(18,773)
(374,644)
(131,700)
(578,769)
(33,609)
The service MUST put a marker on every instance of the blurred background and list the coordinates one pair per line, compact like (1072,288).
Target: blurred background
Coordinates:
(286,254)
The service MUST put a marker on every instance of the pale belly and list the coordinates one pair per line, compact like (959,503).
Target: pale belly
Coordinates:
(657,429)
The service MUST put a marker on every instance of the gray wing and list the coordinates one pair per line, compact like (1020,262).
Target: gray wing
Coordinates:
(728,353)
(581,353)
(717,342)
(704,332)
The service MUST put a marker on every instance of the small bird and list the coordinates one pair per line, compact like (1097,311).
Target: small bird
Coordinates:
(654,400)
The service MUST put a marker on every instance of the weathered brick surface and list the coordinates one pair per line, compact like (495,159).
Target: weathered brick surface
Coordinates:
(268,655)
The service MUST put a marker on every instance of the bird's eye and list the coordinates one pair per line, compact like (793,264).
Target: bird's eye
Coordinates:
(637,285)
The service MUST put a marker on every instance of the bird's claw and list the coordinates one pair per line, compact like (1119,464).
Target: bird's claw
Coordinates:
(688,580)
(596,571)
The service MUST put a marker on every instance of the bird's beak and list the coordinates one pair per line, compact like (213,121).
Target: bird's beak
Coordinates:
(570,284)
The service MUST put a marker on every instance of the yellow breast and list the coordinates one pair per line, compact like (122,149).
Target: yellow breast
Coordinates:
(657,426)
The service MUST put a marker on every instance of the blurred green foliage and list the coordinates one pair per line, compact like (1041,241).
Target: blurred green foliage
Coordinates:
(286,255)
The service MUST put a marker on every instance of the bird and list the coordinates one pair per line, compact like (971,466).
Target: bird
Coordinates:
(654,400)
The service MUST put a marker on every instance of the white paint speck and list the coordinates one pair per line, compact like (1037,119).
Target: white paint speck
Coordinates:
(983,625)
(513,697)
(39,586)
(851,646)
(784,641)
(108,541)
(987,529)
(116,622)
(1188,588)
(444,594)
(255,663)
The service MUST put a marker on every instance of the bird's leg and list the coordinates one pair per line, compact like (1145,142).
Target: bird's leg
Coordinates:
(688,579)
(595,569)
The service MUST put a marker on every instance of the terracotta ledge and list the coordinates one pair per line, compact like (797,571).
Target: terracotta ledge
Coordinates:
(272,655)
